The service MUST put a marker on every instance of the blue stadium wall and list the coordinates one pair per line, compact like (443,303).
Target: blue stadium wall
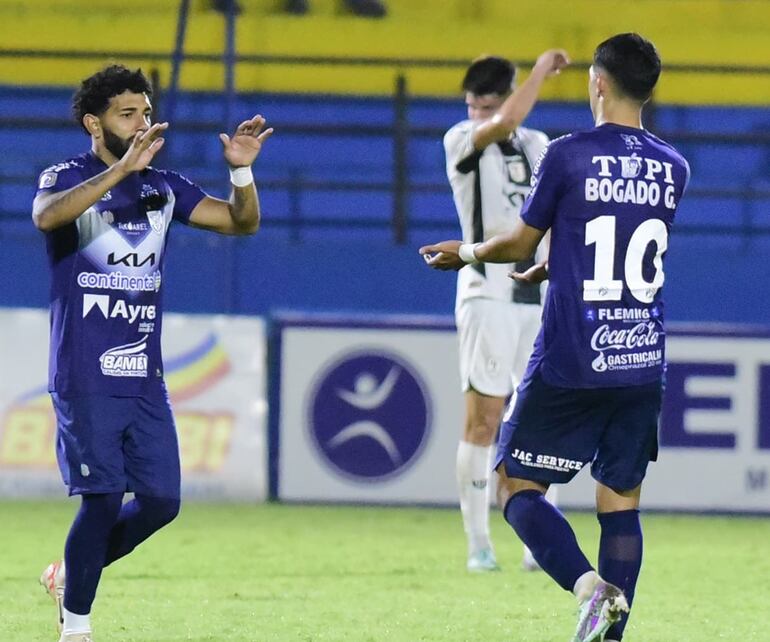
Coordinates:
(711,276)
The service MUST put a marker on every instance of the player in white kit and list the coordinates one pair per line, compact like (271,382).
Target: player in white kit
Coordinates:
(489,160)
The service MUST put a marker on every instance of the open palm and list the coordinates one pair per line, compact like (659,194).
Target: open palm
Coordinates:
(243,148)
(144,147)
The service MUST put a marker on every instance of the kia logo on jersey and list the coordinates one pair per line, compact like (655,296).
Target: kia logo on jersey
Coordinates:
(130,259)
(369,415)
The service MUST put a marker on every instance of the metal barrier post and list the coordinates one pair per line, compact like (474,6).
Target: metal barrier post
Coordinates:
(400,161)
(295,204)
(229,62)
(228,58)
(176,59)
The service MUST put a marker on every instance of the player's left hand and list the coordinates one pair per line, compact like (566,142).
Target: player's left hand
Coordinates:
(443,256)
(243,148)
(534,275)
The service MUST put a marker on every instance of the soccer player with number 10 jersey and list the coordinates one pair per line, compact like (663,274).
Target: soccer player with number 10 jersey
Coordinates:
(593,387)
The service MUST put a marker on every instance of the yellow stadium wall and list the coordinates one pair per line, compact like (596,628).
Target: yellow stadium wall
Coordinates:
(706,32)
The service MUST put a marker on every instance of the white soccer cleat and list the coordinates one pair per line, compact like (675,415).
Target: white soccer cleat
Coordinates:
(76,637)
(482,561)
(599,612)
(53,580)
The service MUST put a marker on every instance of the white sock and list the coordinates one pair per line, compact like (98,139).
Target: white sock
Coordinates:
(585,585)
(551,496)
(74,623)
(473,483)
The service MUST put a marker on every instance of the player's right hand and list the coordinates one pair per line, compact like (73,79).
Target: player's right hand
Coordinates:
(443,256)
(551,62)
(143,148)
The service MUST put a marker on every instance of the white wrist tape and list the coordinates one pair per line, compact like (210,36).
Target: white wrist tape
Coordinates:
(467,252)
(241,176)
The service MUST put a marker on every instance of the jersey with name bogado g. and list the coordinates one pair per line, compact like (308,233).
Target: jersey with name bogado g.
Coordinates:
(106,279)
(489,187)
(609,196)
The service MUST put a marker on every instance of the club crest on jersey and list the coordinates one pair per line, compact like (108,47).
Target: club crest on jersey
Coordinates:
(47,179)
(156,221)
(517,170)
(630,166)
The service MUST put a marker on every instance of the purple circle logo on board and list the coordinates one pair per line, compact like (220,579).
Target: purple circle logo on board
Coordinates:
(369,415)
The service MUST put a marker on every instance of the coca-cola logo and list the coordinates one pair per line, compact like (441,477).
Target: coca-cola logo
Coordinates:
(642,335)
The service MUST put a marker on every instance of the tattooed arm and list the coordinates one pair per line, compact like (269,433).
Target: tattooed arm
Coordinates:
(52,210)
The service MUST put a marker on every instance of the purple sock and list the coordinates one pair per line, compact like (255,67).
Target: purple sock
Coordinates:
(548,535)
(620,556)
(85,549)
(138,519)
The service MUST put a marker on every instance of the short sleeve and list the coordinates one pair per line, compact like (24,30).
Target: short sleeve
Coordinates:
(186,195)
(59,177)
(687,175)
(547,181)
(461,156)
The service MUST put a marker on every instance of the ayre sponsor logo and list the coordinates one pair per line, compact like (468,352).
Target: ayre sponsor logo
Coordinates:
(120,310)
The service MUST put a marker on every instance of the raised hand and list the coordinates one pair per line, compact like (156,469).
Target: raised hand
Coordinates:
(443,256)
(243,148)
(143,148)
(552,61)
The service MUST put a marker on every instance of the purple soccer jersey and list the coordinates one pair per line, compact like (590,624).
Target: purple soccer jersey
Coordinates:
(608,196)
(106,279)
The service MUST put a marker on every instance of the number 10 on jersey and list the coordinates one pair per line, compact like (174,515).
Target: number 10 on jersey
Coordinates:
(603,287)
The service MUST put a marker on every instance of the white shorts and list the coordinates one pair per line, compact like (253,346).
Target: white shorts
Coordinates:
(496,340)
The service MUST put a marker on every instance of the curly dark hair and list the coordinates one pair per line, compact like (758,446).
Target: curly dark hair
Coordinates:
(93,96)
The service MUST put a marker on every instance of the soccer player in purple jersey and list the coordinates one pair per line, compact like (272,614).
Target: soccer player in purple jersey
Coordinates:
(592,392)
(106,217)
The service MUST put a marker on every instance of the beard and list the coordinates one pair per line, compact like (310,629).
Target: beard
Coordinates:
(116,145)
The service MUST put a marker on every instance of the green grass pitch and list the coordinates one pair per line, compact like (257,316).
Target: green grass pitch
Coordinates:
(363,574)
